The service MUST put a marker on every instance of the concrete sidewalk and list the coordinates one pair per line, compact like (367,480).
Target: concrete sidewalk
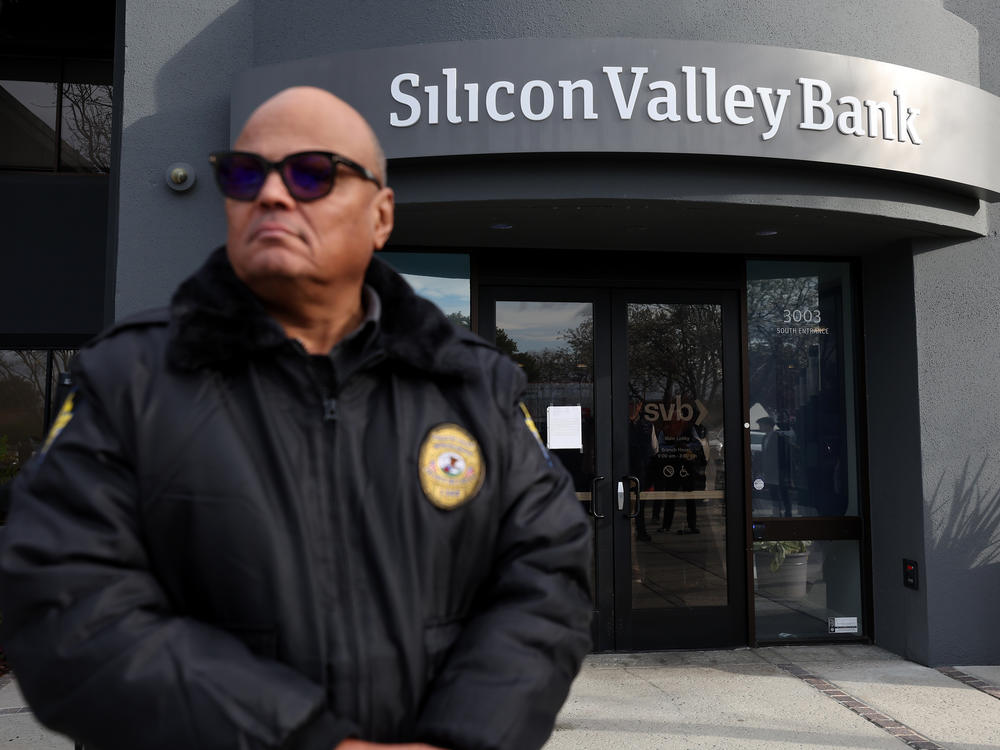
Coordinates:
(784,697)
(743,699)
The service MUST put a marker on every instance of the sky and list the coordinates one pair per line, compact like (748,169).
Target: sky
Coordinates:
(537,325)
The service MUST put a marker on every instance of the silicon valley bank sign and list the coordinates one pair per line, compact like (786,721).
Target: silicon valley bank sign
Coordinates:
(518,96)
(699,101)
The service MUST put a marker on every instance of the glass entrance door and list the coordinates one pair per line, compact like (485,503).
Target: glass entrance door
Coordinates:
(637,393)
(676,372)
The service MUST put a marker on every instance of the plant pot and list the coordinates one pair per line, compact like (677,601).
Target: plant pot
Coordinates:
(788,581)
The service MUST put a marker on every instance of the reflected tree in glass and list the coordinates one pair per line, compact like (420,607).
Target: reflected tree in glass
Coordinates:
(22,398)
(86,129)
(558,363)
(675,350)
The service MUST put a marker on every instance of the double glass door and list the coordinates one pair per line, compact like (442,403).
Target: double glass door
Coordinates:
(638,392)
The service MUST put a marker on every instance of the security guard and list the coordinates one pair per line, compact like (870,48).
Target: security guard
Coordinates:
(298,509)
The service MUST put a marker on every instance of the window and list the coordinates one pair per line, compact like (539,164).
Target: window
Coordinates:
(802,403)
(807,561)
(55,116)
(443,278)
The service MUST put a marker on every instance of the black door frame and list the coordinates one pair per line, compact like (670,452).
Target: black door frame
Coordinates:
(709,630)
(613,621)
(602,623)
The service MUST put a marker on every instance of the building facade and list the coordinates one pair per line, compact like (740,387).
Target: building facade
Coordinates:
(746,253)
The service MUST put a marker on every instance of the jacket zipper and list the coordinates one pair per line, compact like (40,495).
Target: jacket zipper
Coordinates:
(340,616)
(344,578)
(329,409)
(362,681)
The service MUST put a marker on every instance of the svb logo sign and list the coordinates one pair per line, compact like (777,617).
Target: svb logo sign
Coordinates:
(677,410)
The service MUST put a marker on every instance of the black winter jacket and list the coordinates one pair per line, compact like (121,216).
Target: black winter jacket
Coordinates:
(207,555)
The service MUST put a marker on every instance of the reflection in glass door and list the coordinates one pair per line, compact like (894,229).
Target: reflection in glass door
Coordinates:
(675,447)
(807,520)
(553,343)
(645,374)
(683,534)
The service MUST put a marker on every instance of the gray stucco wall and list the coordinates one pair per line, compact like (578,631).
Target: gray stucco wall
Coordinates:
(905,32)
(931,325)
(957,311)
(895,482)
(179,64)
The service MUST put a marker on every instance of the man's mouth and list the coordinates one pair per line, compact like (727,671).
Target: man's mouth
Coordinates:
(267,229)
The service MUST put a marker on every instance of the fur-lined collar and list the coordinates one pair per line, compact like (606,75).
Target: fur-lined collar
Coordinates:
(216,321)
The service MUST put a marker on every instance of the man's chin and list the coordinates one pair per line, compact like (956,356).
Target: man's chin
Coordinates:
(269,260)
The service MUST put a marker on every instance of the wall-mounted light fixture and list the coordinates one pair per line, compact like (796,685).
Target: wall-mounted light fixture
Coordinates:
(180,176)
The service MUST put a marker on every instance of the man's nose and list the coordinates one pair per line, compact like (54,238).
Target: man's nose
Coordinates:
(274,192)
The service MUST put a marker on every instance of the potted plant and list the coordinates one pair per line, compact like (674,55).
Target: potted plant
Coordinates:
(781,568)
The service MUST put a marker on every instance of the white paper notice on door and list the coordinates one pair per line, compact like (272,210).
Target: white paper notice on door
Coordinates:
(564,427)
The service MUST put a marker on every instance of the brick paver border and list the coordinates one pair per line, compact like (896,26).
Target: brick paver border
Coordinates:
(971,681)
(897,729)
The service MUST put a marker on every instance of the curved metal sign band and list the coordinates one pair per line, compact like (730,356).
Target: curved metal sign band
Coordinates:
(519,96)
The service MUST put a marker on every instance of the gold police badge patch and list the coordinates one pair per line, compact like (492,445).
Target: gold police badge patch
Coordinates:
(60,422)
(451,466)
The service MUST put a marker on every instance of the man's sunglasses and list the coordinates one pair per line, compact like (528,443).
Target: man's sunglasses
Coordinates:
(308,175)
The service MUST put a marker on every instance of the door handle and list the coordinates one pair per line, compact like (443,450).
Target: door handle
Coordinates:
(593,497)
(633,482)
(621,496)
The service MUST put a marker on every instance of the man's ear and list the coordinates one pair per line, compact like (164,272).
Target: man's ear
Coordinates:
(383,215)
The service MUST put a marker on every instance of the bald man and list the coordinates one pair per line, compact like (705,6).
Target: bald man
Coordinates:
(298,508)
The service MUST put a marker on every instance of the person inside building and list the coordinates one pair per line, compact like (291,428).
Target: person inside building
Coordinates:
(298,509)
(682,461)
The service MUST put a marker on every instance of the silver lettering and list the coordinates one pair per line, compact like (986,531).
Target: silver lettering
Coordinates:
(906,125)
(691,92)
(568,87)
(810,103)
(407,100)
(547,102)
(772,113)
(432,104)
(613,73)
(851,121)
(473,89)
(911,130)
(710,97)
(669,101)
(491,101)
(874,109)
(451,95)
(732,103)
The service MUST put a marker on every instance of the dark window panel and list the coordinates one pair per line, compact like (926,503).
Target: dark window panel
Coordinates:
(47,27)
(28,125)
